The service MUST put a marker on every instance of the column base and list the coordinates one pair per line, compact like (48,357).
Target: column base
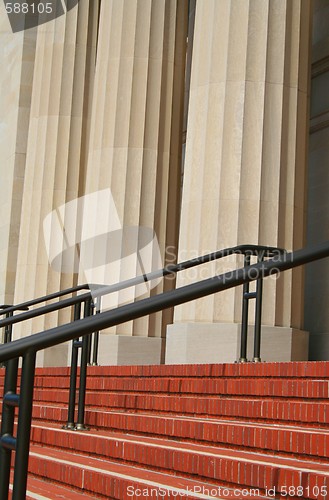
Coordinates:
(220,343)
(114,350)
(54,356)
(118,350)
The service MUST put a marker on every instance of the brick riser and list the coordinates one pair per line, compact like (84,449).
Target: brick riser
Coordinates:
(263,410)
(38,489)
(302,442)
(312,408)
(302,369)
(220,424)
(224,386)
(228,387)
(112,480)
(215,464)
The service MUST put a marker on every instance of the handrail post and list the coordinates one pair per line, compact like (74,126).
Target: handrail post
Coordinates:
(7,337)
(258,314)
(96,335)
(73,374)
(94,361)
(89,311)
(244,320)
(82,387)
(7,425)
(8,329)
(24,426)
(83,372)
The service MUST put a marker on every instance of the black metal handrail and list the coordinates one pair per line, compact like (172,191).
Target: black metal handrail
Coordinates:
(101,290)
(28,347)
(150,305)
(95,294)
(9,311)
(97,291)
(26,305)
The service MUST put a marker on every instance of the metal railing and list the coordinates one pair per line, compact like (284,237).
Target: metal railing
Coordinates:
(8,311)
(27,347)
(24,306)
(89,302)
(248,251)
(97,291)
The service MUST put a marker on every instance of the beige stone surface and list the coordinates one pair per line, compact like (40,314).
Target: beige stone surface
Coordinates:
(133,148)
(127,350)
(54,165)
(220,343)
(245,162)
(95,99)
(16,60)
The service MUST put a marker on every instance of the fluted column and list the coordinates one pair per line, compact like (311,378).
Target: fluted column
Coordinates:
(54,162)
(17,61)
(135,141)
(244,178)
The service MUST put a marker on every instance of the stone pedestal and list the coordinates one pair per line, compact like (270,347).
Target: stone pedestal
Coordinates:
(114,350)
(220,343)
(127,350)
(55,356)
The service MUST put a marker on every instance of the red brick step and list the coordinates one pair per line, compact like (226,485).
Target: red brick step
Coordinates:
(287,439)
(38,489)
(245,469)
(112,480)
(240,426)
(261,409)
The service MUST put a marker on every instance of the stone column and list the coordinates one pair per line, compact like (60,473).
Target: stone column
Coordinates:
(54,161)
(17,61)
(245,163)
(135,141)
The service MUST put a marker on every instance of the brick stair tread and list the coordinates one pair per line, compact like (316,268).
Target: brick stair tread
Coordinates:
(152,415)
(266,436)
(309,369)
(74,440)
(38,489)
(60,394)
(291,471)
(305,369)
(251,408)
(90,474)
(249,425)
(104,414)
(219,420)
(292,389)
(46,393)
(281,369)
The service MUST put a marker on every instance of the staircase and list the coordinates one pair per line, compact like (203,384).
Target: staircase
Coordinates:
(191,431)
